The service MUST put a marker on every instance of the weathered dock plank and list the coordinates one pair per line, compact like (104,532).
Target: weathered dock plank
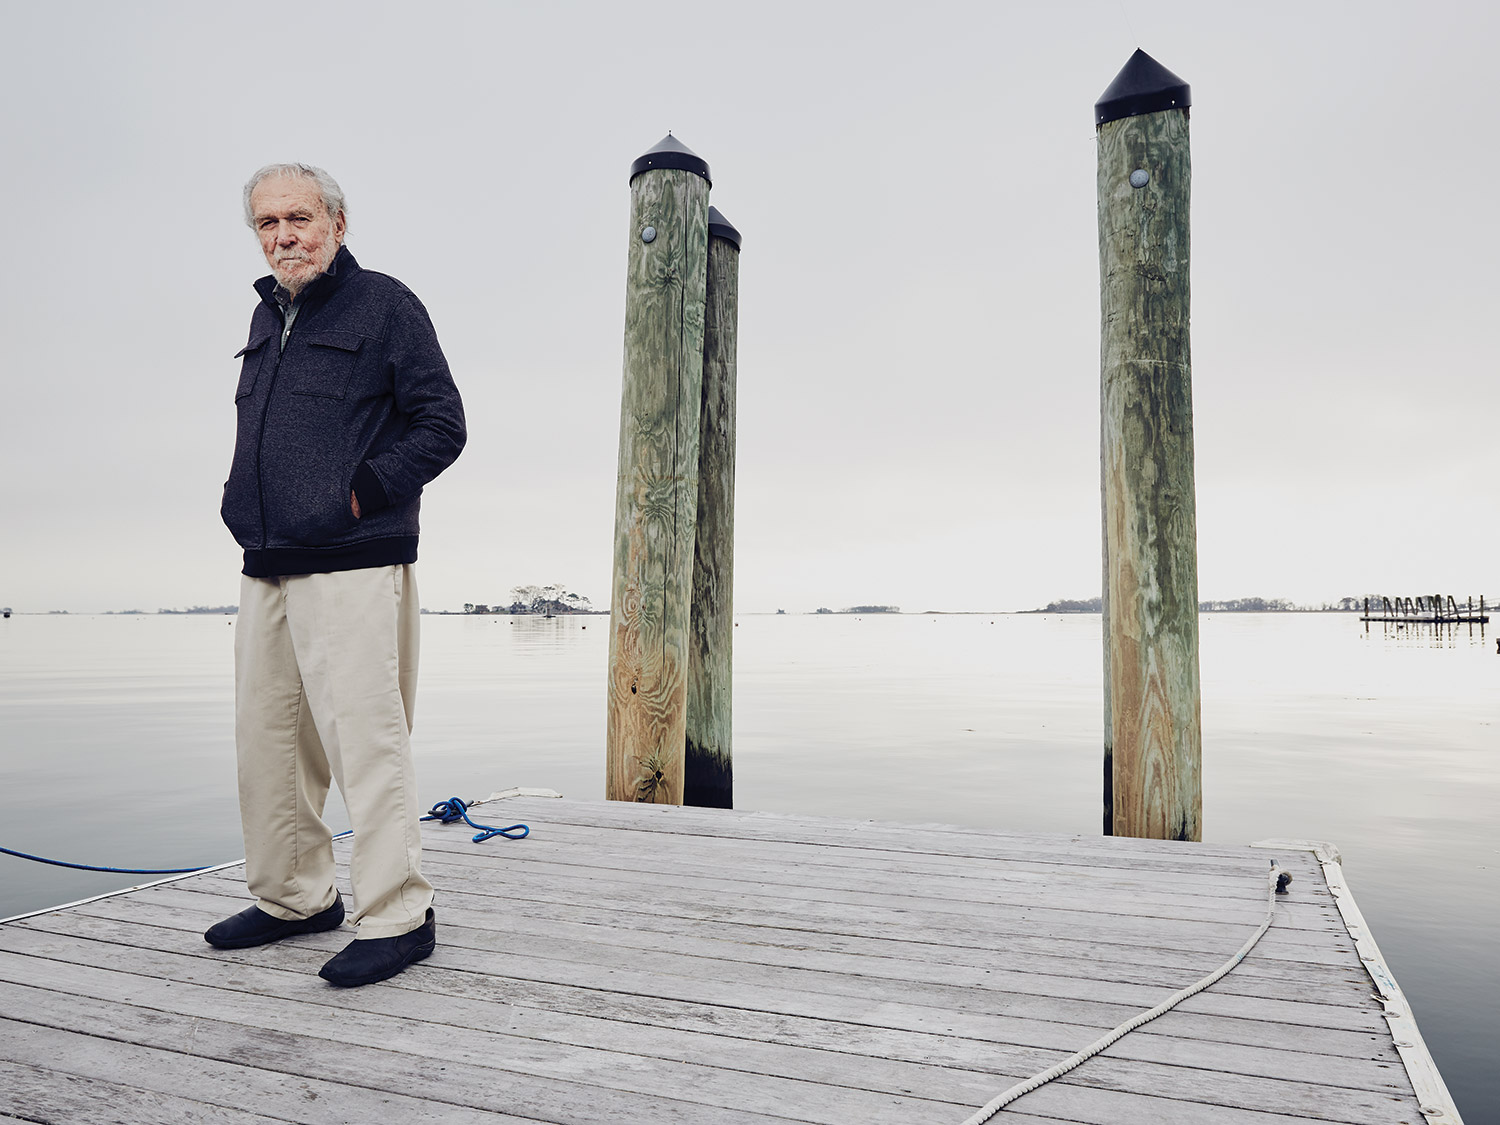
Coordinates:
(44,1092)
(646,972)
(102,1043)
(953,887)
(781,969)
(461,999)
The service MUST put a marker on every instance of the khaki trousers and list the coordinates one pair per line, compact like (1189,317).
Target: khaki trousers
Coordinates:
(325,686)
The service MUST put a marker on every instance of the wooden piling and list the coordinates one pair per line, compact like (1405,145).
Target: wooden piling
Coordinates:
(708,767)
(1150,522)
(657,495)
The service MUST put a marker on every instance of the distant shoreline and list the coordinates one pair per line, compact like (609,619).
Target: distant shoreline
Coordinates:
(1061,609)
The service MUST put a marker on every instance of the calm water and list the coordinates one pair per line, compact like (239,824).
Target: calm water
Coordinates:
(116,746)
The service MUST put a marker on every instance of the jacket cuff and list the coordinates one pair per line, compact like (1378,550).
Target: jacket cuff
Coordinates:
(368,490)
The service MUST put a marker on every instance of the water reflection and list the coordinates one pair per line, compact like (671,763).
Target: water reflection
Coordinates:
(1431,634)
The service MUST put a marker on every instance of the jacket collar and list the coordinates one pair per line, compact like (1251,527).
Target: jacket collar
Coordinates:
(340,270)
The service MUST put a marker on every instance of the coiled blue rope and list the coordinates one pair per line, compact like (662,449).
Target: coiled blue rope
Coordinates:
(453,810)
(447,811)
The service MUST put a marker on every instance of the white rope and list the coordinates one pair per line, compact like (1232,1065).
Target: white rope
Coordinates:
(1021,1088)
(516,791)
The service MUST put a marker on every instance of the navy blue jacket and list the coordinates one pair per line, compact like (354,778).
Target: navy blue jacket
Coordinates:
(360,400)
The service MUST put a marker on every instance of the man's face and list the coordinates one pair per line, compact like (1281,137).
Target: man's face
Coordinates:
(297,235)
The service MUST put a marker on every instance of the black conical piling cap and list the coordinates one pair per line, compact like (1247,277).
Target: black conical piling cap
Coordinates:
(1142,86)
(669,152)
(720,227)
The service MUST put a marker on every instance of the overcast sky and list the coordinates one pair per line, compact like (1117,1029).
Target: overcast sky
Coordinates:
(918,364)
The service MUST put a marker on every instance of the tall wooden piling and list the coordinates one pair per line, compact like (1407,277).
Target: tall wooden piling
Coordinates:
(1150,525)
(708,765)
(656,499)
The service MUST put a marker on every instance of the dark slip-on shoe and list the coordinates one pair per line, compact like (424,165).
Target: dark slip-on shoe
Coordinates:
(253,926)
(367,960)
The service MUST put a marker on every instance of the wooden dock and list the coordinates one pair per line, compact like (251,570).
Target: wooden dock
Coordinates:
(649,964)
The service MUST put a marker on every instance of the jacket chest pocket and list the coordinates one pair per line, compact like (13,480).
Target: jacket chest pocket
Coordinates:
(328,364)
(254,354)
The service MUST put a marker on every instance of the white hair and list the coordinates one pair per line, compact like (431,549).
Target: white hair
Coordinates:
(333,195)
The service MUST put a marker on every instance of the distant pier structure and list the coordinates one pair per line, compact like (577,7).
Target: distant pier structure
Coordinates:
(1430,609)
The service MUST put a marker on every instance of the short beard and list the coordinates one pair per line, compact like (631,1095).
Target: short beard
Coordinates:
(295,285)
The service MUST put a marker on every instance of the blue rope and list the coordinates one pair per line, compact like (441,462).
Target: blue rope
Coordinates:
(446,811)
(453,809)
(111,870)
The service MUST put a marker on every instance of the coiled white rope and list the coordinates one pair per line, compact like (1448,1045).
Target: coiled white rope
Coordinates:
(1277,880)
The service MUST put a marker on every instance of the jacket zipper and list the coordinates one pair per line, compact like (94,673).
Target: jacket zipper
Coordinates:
(260,445)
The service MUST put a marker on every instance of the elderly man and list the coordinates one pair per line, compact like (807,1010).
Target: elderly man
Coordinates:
(346,409)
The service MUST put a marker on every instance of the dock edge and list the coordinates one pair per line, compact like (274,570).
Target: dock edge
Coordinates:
(122,891)
(1434,1101)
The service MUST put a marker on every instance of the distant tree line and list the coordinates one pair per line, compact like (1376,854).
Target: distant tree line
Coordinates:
(1232,605)
(1247,605)
(1087,605)
(546,601)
